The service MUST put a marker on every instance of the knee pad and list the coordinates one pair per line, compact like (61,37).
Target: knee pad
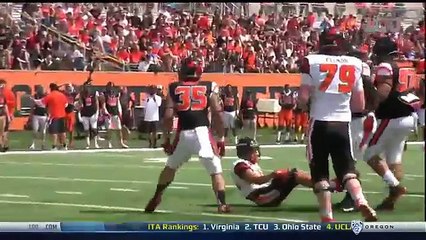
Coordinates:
(347,177)
(322,186)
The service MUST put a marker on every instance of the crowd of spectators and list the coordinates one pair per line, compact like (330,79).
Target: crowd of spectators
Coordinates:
(75,36)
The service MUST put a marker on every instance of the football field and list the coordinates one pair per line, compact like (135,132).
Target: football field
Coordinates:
(115,185)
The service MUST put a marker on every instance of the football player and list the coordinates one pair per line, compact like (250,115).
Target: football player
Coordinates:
(88,114)
(112,108)
(230,111)
(285,116)
(332,83)
(301,120)
(266,190)
(39,119)
(71,95)
(395,120)
(363,123)
(190,99)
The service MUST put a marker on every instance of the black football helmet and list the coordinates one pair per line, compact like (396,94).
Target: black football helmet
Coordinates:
(190,70)
(332,41)
(384,47)
(355,52)
(245,148)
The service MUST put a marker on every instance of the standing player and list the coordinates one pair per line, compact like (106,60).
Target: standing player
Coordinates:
(38,119)
(230,105)
(71,95)
(248,115)
(301,119)
(395,121)
(89,113)
(333,85)
(363,123)
(285,117)
(190,99)
(112,108)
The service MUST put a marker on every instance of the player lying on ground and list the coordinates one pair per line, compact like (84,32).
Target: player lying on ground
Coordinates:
(271,189)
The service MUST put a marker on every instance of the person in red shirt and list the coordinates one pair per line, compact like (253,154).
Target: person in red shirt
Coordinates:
(56,103)
(4,116)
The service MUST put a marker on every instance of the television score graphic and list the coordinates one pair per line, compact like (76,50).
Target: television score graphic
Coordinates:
(357,227)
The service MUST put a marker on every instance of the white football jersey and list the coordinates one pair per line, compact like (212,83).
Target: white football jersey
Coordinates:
(245,187)
(333,79)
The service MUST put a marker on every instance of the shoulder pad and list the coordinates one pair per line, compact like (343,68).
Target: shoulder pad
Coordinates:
(384,69)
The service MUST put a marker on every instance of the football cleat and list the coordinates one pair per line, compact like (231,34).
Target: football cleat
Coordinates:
(224,208)
(368,213)
(327,219)
(388,203)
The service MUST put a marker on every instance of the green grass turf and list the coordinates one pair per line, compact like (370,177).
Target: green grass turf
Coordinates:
(32,181)
(21,140)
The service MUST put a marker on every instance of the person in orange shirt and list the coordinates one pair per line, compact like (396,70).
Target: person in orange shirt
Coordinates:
(56,103)
(4,115)
(11,101)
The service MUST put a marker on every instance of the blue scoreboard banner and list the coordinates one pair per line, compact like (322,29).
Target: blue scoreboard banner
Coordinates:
(207,231)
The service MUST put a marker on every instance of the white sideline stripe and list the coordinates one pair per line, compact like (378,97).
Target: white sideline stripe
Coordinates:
(147,149)
(13,195)
(177,187)
(123,190)
(68,193)
(141,210)
(149,182)
(407,175)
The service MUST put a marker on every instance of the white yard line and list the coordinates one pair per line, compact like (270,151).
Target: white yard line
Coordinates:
(148,149)
(177,187)
(149,182)
(68,193)
(9,195)
(123,190)
(77,205)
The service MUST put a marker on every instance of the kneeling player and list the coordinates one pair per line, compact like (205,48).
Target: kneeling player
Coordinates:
(265,190)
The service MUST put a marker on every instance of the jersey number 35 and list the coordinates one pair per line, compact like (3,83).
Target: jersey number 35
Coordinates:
(191,98)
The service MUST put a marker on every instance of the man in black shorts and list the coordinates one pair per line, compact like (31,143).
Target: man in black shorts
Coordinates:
(334,81)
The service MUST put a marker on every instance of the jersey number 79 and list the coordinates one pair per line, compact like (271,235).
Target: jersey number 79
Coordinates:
(345,75)
(191,98)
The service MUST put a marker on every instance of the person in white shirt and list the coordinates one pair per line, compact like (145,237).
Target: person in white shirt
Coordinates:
(152,114)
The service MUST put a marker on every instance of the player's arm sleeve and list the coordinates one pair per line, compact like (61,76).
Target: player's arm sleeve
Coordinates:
(383,80)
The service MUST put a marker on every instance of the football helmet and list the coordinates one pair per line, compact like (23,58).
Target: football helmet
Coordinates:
(190,70)
(331,40)
(248,149)
(383,48)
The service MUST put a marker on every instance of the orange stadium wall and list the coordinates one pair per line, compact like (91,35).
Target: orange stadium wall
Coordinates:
(23,83)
